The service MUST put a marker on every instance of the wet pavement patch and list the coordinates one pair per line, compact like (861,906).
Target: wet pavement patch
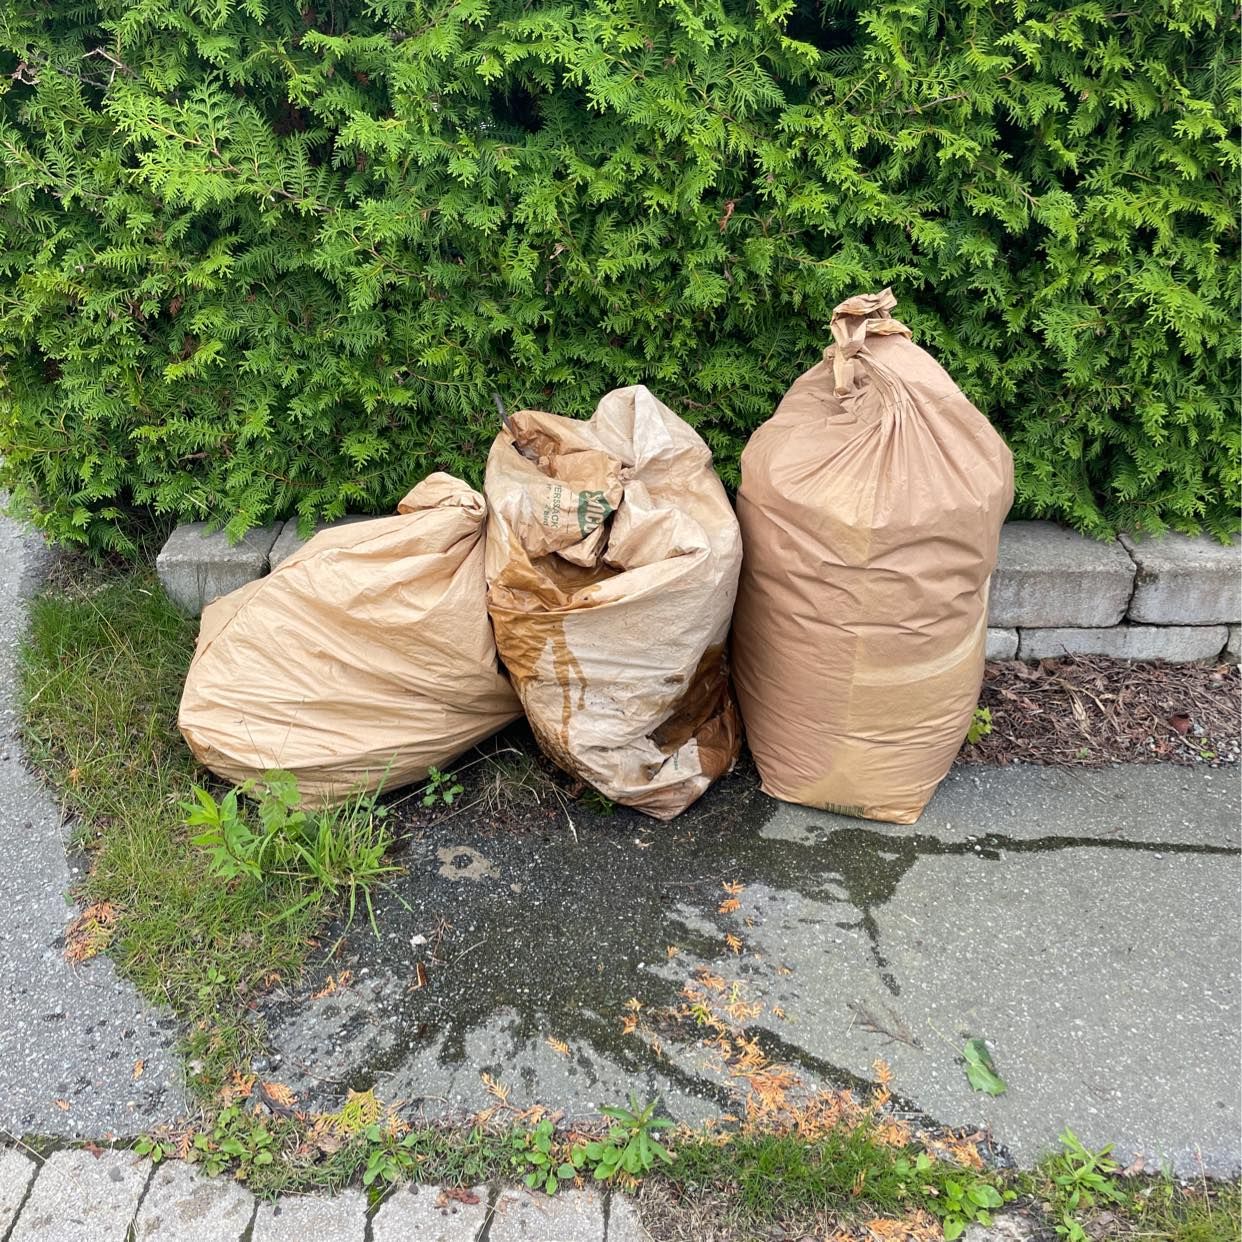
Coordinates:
(1080,927)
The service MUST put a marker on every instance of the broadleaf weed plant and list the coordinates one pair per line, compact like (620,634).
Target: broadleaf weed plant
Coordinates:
(337,850)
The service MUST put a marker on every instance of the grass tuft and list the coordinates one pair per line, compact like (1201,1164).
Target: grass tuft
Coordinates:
(101,670)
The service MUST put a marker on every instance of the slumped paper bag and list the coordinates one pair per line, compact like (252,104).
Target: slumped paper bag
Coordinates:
(612,563)
(364,659)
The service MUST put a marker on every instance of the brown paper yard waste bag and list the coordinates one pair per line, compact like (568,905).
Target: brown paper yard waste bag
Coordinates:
(612,562)
(871,506)
(365,658)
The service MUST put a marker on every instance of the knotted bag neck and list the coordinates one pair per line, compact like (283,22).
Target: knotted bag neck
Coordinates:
(852,322)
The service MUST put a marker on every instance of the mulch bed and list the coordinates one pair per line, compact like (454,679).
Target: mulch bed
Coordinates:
(1090,710)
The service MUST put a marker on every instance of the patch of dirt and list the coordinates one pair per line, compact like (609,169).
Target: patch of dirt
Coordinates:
(1089,711)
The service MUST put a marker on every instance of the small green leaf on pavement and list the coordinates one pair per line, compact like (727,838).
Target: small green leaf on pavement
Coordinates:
(980,1072)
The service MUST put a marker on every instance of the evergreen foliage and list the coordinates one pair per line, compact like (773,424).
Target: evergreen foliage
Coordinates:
(260,258)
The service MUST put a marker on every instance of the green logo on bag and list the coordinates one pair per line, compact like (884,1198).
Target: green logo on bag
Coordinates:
(593,508)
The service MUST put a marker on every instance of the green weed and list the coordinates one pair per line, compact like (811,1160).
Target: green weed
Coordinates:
(238,1141)
(1080,1180)
(962,1199)
(330,852)
(631,1146)
(535,1160)
(513,778)
(442,788)
(1207,1212)
(596,802)
(980,725)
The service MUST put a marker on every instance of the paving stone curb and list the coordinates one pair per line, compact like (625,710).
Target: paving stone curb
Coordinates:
(298,1218)
(431,1214)
(17,1172)
(116,1196)
(570,1216)
(77,1195)
(81,1195)
(181,1205)
(1048,580)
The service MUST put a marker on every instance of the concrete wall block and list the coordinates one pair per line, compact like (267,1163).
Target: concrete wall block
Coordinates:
(289,541)
(1185,580)
(1233,645)
(1047,575)
(194,567)
(1002,644)
(1177,644)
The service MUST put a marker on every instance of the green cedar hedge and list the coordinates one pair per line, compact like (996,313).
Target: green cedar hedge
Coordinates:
(261,258)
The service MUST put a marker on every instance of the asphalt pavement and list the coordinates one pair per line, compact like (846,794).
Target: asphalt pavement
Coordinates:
(1083,923)
(71,1038)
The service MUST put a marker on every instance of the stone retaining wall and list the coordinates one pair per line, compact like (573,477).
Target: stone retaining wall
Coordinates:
(1054,592)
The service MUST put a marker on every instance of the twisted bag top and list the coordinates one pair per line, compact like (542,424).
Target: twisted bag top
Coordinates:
(871,506)
(612,562)
(365,658)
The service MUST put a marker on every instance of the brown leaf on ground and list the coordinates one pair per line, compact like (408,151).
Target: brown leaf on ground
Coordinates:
(496,1088)
(91,932)
(139,1066)
(333,984)
(238,1087)
(917,1227)
(279,1094)
(455,1194)
(1088,711)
